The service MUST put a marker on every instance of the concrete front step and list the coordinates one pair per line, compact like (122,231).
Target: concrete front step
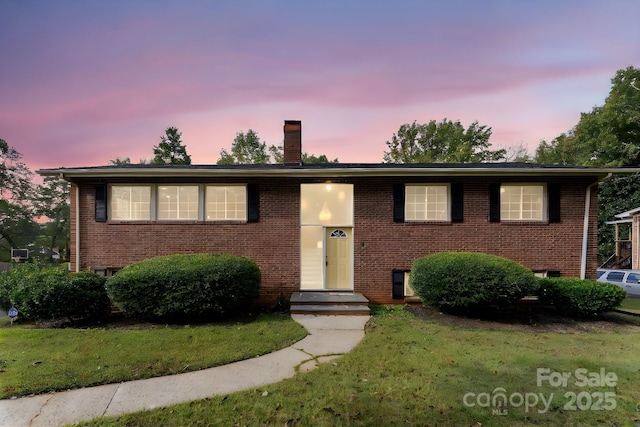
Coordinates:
(330,309)
(329,303)
(328,297)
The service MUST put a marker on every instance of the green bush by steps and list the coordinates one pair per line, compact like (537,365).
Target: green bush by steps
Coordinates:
(580,298)
(45,294)
(470,283)
(188,286)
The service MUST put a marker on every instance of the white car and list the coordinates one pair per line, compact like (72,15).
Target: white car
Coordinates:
(629,280)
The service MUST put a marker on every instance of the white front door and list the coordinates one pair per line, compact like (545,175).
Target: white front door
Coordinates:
(338,258)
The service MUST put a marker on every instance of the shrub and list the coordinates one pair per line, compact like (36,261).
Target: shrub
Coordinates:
(470,283)
(186,286)
(53,294)
(580,298)
(14,278)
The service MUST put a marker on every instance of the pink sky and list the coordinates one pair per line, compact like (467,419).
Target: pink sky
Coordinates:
(84,82)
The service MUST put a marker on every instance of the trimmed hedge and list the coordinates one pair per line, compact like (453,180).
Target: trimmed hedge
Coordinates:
(192,286)
(580,298)
(470,283)
(53,294)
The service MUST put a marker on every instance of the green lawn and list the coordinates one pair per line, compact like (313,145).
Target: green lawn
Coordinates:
(41,360)
(409,371)
(631,304)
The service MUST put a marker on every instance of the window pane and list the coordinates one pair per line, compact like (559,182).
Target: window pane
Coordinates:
(130,202)
(633,278)
(226,202)
(522,202)
(427,203)
(326,204)
(312,257)
(615,276)
(178,202)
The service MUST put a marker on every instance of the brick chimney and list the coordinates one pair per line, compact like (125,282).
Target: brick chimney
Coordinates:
(293,142)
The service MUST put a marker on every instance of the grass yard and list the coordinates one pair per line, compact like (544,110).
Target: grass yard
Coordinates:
(631,304)
(422,371)
(40,360)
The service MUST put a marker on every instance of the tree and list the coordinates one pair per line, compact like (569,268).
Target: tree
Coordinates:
(608,135)
(123,161)
(611,133)
(15,177)
(518,153)
(170,151)
(312,158)
(17,227)
(119,161)
(277,154)
(562,150)
(53,203)
(247,149)
(443,142)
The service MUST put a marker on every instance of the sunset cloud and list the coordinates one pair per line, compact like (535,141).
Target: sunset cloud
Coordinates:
(85,82)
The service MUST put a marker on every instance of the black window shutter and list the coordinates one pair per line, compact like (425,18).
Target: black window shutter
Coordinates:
(494,202)
(398,284)
(553,194)
(253,203)
(398,202)
(457,202)
(101,203)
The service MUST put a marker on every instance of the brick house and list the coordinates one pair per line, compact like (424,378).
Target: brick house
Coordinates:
(341,227)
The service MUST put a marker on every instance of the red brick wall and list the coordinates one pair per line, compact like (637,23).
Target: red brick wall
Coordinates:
(380,245)
(273,242)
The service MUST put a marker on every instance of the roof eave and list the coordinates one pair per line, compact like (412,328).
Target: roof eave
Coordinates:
(620,221)
(628,214)
(339,172)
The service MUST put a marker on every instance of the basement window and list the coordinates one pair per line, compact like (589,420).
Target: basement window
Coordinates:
(400,285)
(106,272)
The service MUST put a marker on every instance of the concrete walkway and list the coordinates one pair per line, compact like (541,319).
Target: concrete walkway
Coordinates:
(328,336)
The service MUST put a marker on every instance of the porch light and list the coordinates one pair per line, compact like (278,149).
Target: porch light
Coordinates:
(325,213)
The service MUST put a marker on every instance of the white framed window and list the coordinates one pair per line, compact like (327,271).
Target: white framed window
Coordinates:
(130,202)
(178,202)
(174,202)
(226,202)
(427,202)
(523,202)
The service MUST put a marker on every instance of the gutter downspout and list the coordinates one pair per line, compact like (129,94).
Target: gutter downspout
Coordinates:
(77,228)
(585,227)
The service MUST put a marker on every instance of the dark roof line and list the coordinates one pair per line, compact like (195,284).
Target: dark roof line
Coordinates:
(317,166)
